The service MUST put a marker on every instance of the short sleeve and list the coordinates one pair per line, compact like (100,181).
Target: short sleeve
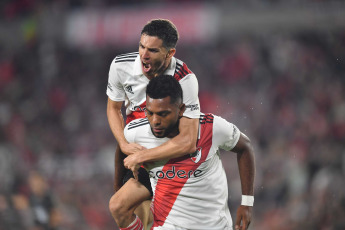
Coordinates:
(115,90)
(190,88)
(225,134)
(129,134)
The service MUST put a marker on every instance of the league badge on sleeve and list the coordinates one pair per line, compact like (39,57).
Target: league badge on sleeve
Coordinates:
(196,156)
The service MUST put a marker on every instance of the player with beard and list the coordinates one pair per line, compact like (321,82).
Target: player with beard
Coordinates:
(191,191)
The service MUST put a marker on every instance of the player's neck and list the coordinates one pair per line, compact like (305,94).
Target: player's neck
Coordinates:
(173,133)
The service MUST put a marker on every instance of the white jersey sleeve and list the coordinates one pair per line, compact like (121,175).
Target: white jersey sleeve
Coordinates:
(225,134)
(190,88)
(129,134)
(115,90)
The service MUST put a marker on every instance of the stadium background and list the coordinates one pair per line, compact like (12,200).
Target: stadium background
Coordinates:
(274,68)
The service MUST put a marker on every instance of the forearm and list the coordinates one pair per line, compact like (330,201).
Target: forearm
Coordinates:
(119,169)
(171,149)
(246,165)
(116,124)
(184,143)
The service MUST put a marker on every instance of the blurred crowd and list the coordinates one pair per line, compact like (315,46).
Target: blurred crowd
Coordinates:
(285,91)
(12,9)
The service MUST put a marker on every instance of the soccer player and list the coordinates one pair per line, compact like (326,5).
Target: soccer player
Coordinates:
(190,192)
(129,75)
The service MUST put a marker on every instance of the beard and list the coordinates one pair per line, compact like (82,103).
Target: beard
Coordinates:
(158,68)
(170,131)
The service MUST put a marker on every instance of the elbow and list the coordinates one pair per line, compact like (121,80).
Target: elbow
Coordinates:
(249,146)
(191,149)
(189,146)
(246,145)
(249,149)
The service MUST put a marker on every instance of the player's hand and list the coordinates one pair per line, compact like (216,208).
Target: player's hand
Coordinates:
(243,217)
(133,163)
(131,148)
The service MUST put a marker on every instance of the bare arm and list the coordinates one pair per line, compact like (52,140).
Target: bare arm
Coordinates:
(184,143)
(115,120)
(119,169)
(246,166)
(116,124)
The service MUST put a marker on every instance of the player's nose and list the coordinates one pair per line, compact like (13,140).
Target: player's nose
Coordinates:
(156,120)
(145,54)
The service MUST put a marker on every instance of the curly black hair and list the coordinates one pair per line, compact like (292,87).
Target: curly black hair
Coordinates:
(163,86)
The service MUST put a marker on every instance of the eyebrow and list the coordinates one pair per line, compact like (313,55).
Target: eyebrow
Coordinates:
(160,112)
(151,49)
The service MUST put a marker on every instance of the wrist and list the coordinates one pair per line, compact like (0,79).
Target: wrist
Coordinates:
(247,200)
(141,157)
(122,144)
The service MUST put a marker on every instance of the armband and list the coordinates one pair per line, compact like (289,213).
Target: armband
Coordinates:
(247,200)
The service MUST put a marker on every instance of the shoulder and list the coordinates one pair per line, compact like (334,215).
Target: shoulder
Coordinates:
(218,124)
(206,124)
(123,60)
(225,133)
(127,57)
(182,70)
(137,124)
(122,66)
(206,118)
(221,124)
(136,127)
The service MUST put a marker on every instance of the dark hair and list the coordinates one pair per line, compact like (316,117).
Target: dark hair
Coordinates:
(163,86)
(163,29)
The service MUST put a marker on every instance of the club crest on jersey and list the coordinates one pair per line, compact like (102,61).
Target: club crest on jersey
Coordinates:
(196,156)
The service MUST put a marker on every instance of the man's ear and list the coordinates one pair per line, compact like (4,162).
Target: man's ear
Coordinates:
(171,53)
(182,109)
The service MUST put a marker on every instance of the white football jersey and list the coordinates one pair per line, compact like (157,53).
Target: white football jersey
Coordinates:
(190,192)
(128,83)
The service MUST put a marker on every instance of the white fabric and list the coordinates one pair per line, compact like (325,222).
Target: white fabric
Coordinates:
(202,203)
(125,74)
(247,200)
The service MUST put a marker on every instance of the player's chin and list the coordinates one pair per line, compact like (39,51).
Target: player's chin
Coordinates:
(159,134)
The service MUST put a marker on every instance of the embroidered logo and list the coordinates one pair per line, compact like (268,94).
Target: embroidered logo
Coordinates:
(129,89)
(196,156)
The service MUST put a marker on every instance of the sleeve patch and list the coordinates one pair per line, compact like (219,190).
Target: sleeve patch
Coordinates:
(193,107)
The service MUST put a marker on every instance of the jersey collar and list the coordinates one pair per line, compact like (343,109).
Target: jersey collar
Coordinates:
(169,71)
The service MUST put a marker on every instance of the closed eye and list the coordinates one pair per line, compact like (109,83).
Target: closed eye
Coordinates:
(163,114)
(153,50)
